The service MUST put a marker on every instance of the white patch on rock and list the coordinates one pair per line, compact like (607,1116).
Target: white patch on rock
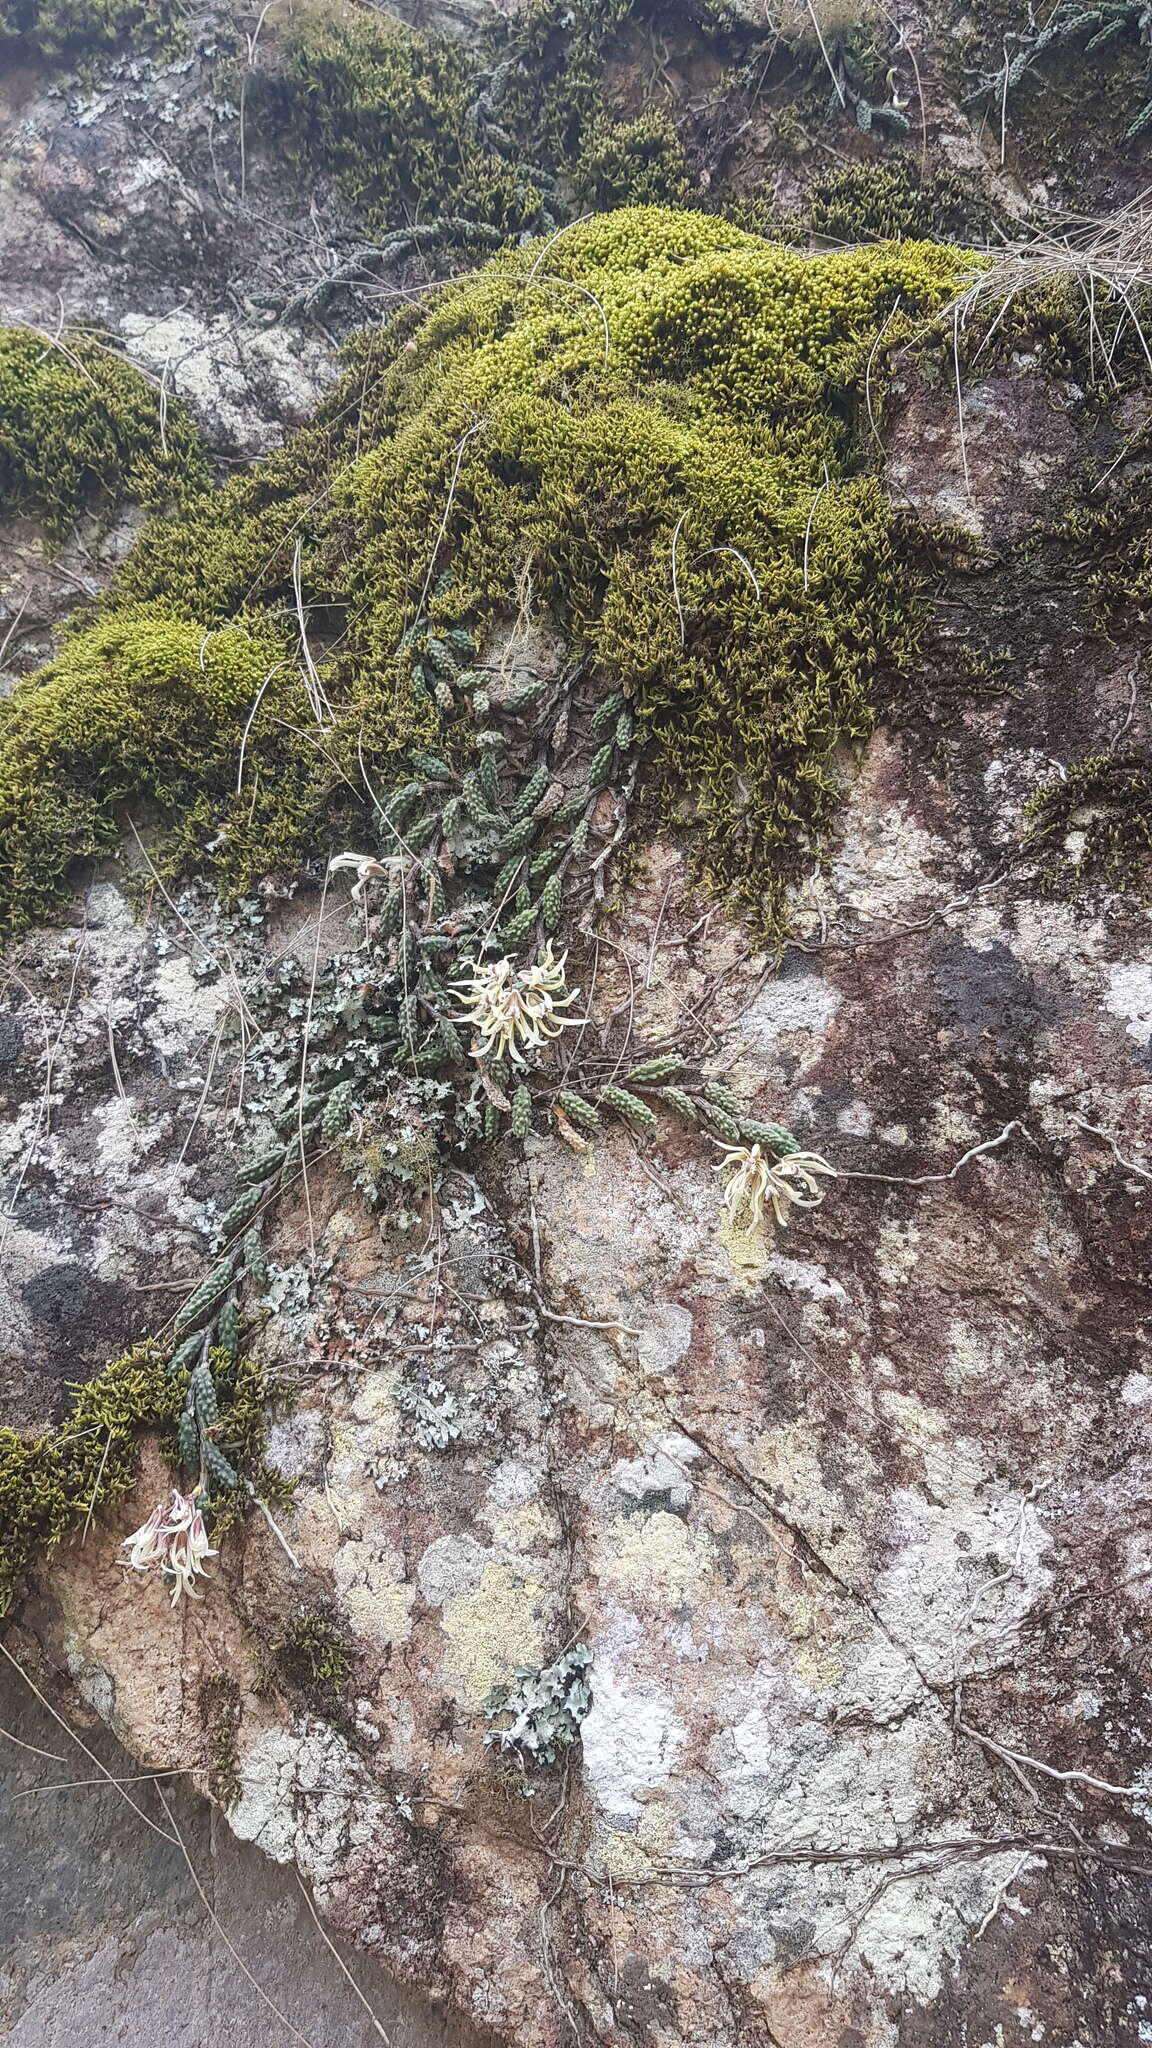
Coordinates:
(296,1445)
(657,1558)
(122,1138)
(187,1007)
(513,1484)
(109,909)
(660,1469)
(1129,996)
(451,1567)
(856,1120)
(631,1740)
(791,1014)
(240,388)
(803,1276)
(665,1338)
(305,1794)
(964,1580)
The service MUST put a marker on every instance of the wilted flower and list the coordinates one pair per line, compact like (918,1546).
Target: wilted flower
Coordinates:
(368,869)
(175,1541)
(515,1008)
(757,1178)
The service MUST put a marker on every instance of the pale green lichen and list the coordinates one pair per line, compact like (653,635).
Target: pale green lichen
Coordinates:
(492,1632)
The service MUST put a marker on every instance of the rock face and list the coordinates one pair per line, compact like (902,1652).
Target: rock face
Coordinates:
(853,1526)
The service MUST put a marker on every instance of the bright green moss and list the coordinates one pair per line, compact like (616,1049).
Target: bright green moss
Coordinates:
(146,706)
(81,430)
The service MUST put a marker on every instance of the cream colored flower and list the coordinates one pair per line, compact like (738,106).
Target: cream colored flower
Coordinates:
(367,868)
(174,1541)
(757,1178)
(513,1010)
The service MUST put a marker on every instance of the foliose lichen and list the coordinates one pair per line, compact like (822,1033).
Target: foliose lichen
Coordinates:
(545,1707)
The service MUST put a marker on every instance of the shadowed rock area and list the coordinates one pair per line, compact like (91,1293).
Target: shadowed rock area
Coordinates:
(106,1935)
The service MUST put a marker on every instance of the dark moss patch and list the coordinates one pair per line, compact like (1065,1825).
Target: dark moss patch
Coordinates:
(81,30)
(1095,825)
(52,1483)
(384,112)
(313,1657)
(221,1712)
(895,197)
(633,163)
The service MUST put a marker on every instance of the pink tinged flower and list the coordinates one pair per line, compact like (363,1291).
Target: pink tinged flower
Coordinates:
(146,1547)
(365,868)
(173,1541)
(186,1552)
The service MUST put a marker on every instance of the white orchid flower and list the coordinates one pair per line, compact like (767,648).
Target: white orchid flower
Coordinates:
(757,1178)
(367,868)
(514,1010)
(174,1541)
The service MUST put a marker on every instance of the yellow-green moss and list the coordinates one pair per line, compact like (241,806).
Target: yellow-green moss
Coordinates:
(54,1482)
(145,706)
(80,430)
(654,414)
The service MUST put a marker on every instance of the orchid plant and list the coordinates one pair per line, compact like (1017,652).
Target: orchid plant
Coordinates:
(757,1179)
(514,1010)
